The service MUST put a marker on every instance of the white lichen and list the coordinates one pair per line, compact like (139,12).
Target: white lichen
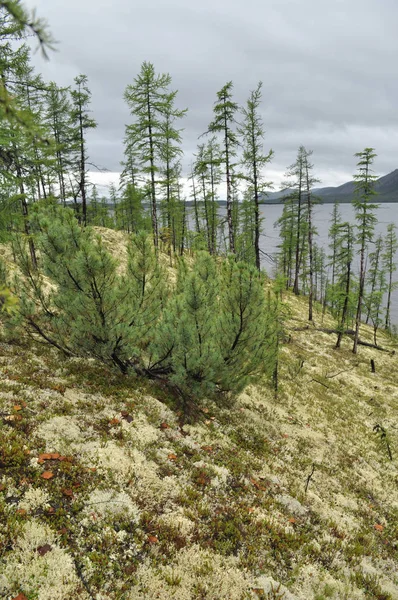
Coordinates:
(34,498)
(51,576)
(110,505)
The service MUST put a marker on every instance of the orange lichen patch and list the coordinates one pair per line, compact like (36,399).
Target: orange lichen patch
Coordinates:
(172,457)
(13,418)
(53,456)
(66,458)
(164,426)
(44,456)
(152,539)
(58,388)
(257,484)
(207,448)
(114,421)
(378,527)
(47,475)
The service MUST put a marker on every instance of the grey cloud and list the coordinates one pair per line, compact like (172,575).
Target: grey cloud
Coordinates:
(327,67)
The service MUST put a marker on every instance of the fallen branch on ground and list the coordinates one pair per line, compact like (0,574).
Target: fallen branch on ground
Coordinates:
(349,332)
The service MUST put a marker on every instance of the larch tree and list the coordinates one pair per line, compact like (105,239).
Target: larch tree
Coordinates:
(93,210)
(295,183)
(254,159)
(149,99)
(320,273)
(377,287)
(206,170)
(130,209)
(224,123)
(366,219)
(57,115)
(389,264)
(344,257)
(25,150)
(197,170)
(375,269)
(309,182)
(287,233)
(213,160)
(27,23)
(170,156)
(332,234)
(82,123)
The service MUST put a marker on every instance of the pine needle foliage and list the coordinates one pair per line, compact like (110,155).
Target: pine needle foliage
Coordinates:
(88,308)
(217,331)
(208,330)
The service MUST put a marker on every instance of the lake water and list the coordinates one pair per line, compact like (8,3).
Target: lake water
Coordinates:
(387,213)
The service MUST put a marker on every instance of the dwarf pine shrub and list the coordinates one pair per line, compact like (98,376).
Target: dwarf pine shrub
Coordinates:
(210,330)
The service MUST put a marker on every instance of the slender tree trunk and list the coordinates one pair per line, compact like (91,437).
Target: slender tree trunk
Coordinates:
(206,207)
(152,165)
(366,193)
(345,306)
(310,257)
(38,166)
(360,299)
(25,213)
(373,282)
(256,211)
(213,209)
(389,292)
(82,183)
(60,165)
(231,231)
(195,205)
(184,221)
(170,227)
(298,246)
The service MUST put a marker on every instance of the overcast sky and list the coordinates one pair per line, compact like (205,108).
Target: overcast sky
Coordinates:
(328,68)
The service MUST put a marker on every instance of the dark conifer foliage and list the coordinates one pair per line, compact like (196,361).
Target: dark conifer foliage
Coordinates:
(364,207)
(209,332)
(224,123)
(254,160)
(200,335)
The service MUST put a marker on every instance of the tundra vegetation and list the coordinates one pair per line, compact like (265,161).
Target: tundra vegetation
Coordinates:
(175,423)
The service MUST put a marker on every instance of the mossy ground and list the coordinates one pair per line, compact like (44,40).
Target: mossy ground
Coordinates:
(293,497)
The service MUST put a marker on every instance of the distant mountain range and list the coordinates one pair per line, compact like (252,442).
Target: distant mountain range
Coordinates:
(386,188)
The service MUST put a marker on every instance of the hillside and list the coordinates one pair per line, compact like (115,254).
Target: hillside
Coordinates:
(108,491)
(386,188)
